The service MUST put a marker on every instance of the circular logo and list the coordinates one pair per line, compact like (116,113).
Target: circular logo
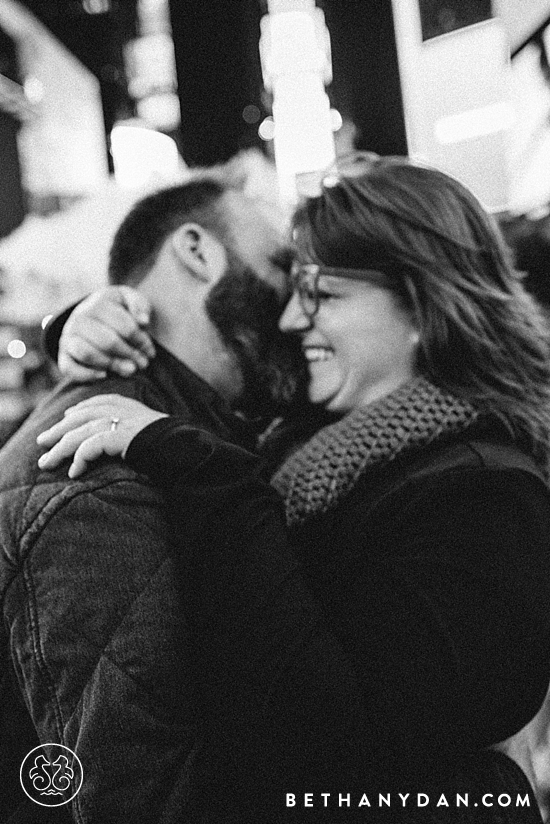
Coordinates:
(51,775)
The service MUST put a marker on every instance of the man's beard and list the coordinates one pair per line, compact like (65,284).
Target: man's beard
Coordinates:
(245,311)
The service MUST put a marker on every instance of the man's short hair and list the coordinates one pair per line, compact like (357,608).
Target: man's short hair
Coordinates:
(144,230)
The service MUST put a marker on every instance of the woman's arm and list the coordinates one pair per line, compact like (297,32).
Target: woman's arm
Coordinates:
(445,640)
(106,331)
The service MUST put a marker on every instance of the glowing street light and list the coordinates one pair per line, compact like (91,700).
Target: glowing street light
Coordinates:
(142,156)
(296,66)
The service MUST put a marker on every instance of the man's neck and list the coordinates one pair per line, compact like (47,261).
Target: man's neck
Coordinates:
(203,353)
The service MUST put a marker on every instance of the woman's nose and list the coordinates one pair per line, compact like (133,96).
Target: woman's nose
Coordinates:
(293,318)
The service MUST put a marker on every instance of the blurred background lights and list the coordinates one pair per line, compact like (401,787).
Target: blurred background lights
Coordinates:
(96,6)
(16,349)
(296,65)
(267,129)
(143,156)
(336,120)
(162,111)
(251,114)
(478,122)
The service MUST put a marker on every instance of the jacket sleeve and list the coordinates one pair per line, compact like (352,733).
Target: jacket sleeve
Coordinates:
(436,648)
(52,333)
(269,667)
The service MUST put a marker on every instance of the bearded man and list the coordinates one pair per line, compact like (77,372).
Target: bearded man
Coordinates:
(93,604)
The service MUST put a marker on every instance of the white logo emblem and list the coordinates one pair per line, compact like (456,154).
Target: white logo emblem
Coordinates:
(51,775)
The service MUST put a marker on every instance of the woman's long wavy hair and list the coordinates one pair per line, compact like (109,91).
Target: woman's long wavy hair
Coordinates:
(483,337)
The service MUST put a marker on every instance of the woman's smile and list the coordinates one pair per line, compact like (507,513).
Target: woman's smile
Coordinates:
(360,344)
(317,354)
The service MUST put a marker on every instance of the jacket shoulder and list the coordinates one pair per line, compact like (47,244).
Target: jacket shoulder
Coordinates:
(29,498)
(469,456)
(450,470)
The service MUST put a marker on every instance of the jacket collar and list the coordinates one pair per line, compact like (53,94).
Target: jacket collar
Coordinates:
(182,392)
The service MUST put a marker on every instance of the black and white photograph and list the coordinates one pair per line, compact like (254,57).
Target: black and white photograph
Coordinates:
(275,411)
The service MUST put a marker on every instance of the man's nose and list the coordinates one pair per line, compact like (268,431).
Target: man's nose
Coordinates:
(293,318)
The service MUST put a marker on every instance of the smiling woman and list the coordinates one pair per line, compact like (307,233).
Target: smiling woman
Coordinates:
(397,629)
(358,337)
(453,299)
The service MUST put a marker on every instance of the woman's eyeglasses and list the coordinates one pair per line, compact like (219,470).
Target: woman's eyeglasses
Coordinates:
(304,281)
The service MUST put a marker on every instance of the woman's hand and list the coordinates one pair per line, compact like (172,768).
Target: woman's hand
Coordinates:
(106,332)
(102,425)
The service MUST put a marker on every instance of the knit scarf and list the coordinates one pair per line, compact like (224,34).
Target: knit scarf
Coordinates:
(326,468)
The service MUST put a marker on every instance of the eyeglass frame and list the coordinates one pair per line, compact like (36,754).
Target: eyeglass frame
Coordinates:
(314,271)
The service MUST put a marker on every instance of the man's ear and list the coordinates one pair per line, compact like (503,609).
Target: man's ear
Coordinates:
(199,251)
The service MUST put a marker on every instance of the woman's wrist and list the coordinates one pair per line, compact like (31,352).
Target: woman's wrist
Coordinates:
(177,455)
(53,331)
(152,451)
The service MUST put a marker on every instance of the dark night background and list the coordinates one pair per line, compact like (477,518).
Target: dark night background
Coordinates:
(218,67)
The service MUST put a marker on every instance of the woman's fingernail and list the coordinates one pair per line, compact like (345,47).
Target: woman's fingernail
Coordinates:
(43,460)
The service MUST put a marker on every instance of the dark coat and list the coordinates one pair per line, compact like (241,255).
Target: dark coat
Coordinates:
(389,641)
(93,619)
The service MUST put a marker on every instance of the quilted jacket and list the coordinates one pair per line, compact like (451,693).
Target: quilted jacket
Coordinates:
(92,616)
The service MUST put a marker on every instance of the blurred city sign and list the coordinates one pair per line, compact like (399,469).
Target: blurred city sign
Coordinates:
(296,65)
(151,67)
(61,142)
(14,100)
(455,79)
(143,156)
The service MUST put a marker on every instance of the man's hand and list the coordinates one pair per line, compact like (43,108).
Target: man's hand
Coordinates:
(107,332)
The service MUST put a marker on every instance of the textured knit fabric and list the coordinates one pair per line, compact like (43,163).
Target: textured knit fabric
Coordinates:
(315,477)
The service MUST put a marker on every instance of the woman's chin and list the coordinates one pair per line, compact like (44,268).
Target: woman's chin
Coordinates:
(330,393)
(332,403)
(320,395)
